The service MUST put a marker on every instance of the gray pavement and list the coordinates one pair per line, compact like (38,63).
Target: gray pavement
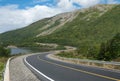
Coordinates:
(60,71)
(19,72)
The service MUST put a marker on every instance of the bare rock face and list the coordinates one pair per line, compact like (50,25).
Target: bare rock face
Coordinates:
(59,20)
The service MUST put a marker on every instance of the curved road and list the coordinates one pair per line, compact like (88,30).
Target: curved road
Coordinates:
(50,70)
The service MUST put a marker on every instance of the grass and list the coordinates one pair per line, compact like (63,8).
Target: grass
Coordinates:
(73,54)
(3,60)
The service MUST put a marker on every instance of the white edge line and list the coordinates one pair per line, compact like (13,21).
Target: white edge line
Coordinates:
(38,71)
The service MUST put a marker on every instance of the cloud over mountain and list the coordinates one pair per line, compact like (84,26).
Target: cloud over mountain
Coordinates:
(12,17)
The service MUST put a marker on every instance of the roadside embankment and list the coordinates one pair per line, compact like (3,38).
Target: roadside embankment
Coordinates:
(3,61)
(94,63)
(7,73)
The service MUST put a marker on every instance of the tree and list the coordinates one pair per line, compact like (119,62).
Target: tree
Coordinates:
(110,50)
(4,52)
(115,46)
(101,55)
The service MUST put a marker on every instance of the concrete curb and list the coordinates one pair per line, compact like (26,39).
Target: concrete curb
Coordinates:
(6,72)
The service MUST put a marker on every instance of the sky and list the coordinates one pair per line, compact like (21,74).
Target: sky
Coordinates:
(16,14)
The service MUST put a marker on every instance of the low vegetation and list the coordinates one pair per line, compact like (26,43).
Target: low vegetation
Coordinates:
(93,32)
(4,55)
(111,49)
(4,52)
(108,51)
(89,36)
(3,61)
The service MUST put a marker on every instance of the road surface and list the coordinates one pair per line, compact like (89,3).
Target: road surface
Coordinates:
(50,70)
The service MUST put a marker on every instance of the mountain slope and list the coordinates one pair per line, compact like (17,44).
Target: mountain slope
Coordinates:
(91,26)
(39,28)
(86,28)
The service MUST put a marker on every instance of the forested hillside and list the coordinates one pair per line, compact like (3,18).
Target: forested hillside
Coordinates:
(87,32)
(85,29)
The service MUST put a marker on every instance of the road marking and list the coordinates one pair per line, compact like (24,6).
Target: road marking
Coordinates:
(38,71)
(90,73)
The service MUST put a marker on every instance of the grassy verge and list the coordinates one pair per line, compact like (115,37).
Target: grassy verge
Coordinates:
(3,60)
(74,54)
(71,55)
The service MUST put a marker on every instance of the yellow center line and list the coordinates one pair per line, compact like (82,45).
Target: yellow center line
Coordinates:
(90,73)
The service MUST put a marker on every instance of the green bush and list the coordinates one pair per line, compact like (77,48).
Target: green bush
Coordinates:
(60,47)
(111,49)
(4,52)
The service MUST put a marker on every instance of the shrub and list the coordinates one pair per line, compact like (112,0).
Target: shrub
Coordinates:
(4,52)
(110,50)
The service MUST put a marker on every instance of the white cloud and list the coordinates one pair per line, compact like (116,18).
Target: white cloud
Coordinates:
(65,5)
(11,17)
(86,3)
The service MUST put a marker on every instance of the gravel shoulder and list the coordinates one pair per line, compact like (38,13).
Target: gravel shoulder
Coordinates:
(19,71)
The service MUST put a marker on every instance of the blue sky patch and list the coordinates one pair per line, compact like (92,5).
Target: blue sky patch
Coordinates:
(25,3)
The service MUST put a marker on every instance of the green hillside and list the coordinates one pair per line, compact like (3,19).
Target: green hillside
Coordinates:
(87,35)
(85,29)
(81,32)
(20,35)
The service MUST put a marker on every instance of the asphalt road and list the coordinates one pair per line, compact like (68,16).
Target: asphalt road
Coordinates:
(50,70)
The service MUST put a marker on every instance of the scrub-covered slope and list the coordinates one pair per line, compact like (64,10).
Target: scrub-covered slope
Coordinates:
(85,28)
